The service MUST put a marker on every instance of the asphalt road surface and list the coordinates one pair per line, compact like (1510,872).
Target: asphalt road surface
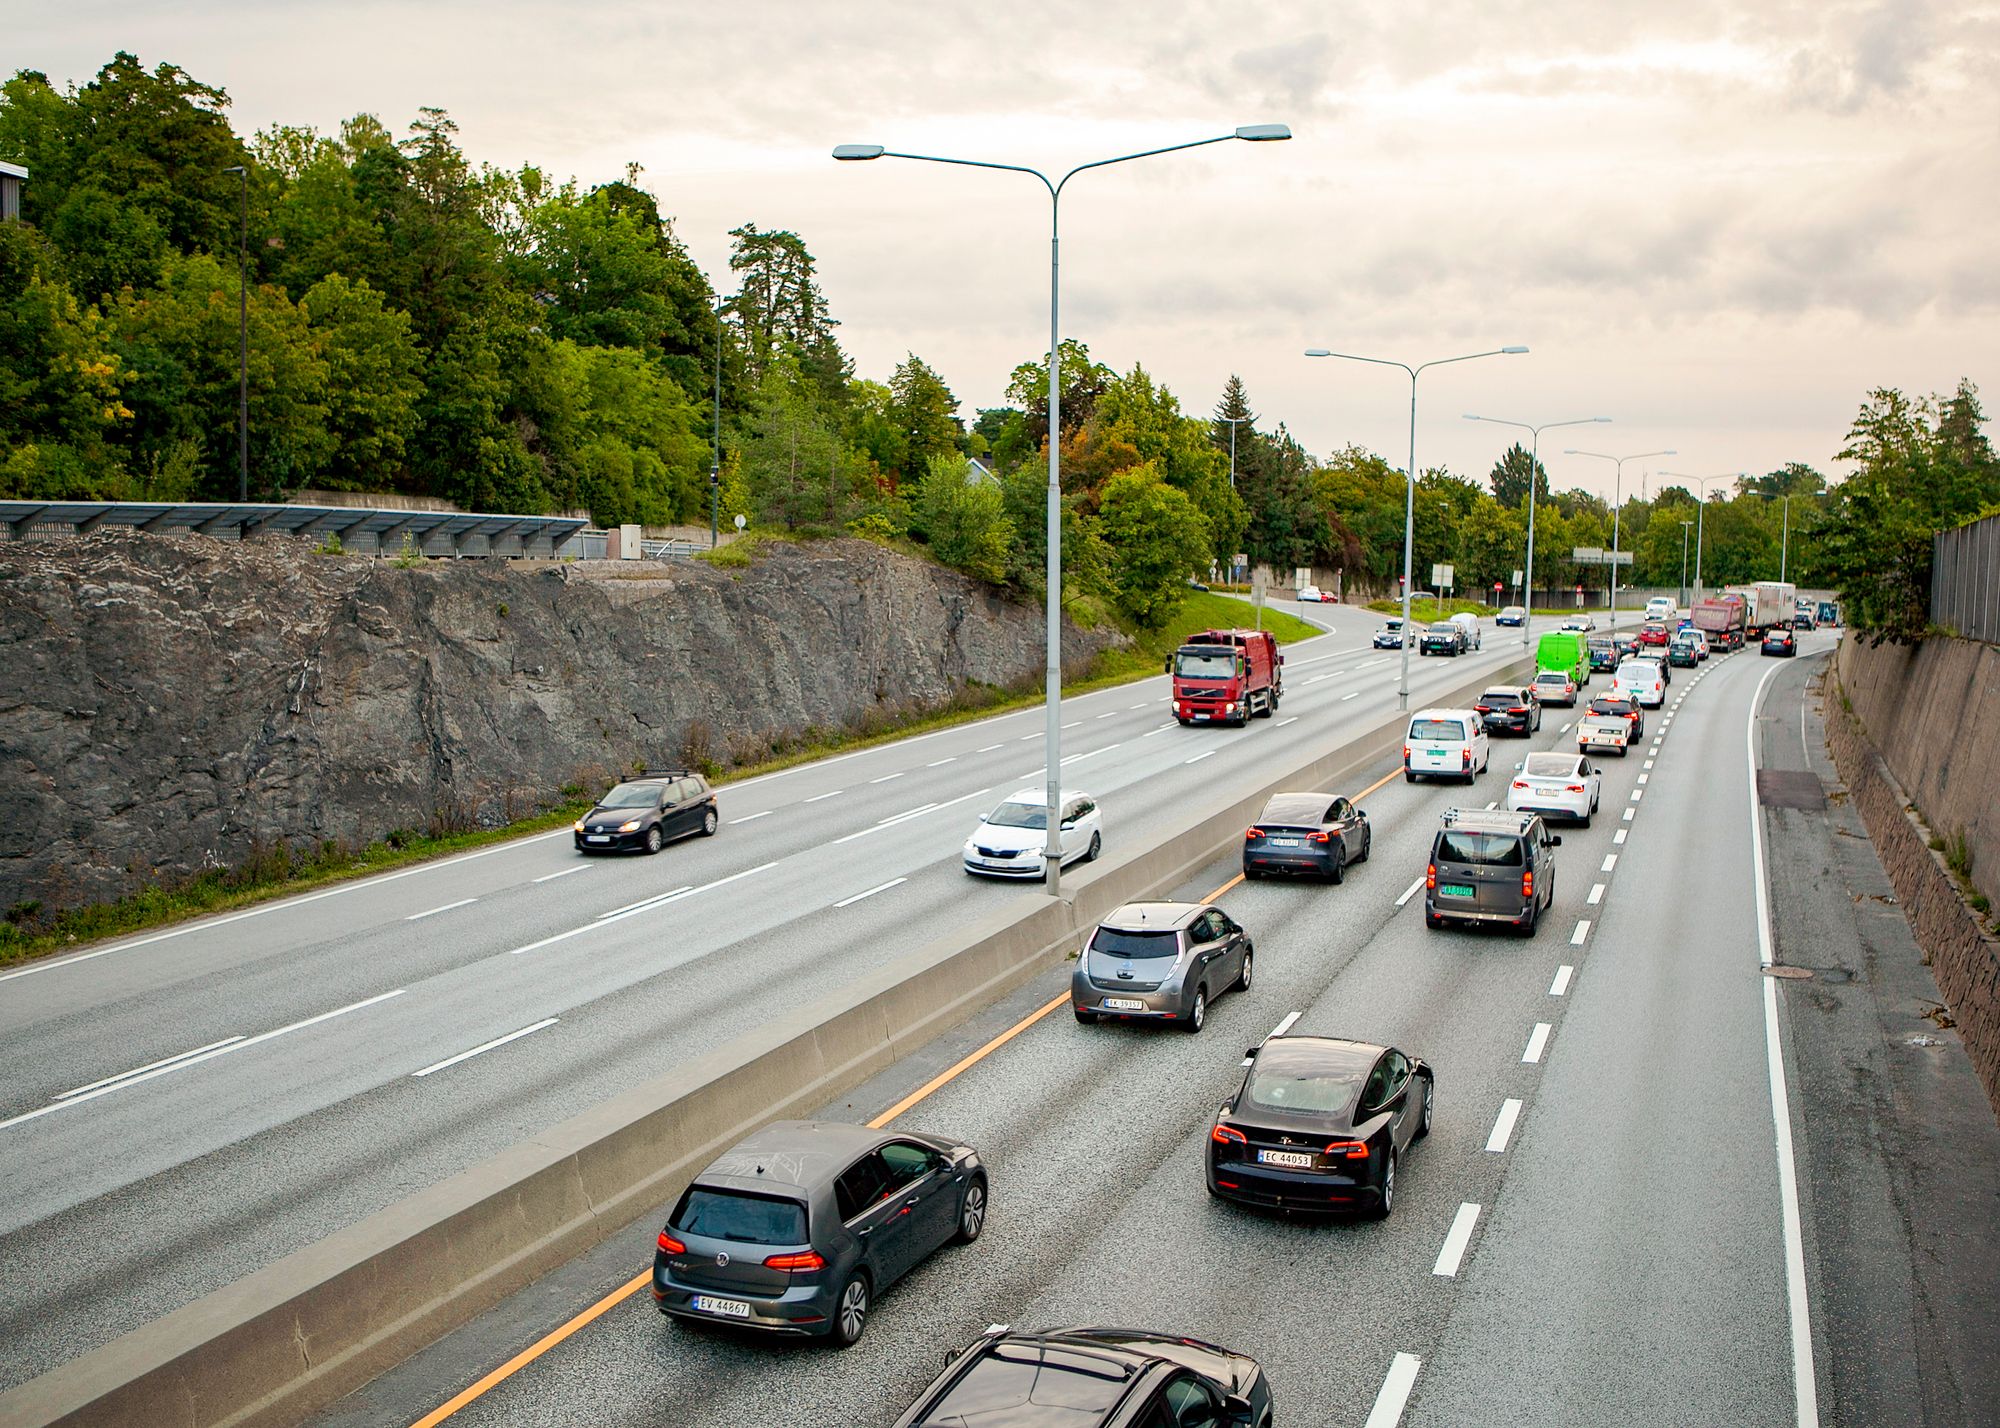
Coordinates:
(181,1108)
(1605,1129)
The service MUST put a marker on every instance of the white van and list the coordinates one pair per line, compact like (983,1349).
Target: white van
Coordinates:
(1468,622)
(1445,743)
(1640,680)
(1660,607)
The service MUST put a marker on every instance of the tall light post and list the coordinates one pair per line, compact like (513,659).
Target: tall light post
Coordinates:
(243,340)
(1252,133)
(1617,506)
(1534,447)
(1785,541)
(1234,422)
(715,460)
(1684,563)
(1410,479)
(1701,510)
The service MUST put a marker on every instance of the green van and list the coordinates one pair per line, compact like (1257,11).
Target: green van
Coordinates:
(1564,650)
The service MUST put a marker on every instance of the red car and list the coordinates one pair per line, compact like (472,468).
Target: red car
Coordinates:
(1653,632)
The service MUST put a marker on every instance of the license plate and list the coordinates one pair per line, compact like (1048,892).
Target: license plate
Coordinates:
(1434,756)
(1455,890)
(728,1308)
(1119,1004)
(1284,842)
(597,837)
(1295,1159)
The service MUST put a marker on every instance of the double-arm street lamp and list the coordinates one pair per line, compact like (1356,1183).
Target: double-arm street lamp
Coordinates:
(1617,506)
(1254,133)
(1534,446)
(1410,479)
(1701,509)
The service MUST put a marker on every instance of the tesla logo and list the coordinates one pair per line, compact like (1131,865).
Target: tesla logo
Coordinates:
(722,1259)
(1284,1140)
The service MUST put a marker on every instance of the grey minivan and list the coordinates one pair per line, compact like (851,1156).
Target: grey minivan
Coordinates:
(1490,865)
(1160,961)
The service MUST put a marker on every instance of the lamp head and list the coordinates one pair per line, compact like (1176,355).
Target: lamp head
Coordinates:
(1470,417)
(234,169)
(1318,352)
(1263,133)
(1513,351)
(1600,418)
(850,152)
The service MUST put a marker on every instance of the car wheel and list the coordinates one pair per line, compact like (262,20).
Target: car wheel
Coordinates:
(1250,874)
(1388,1201)
(654,839)
(972,1212)
(709,823)
(1367,845)
(1096,847)
(1339,871)
(1408,776)
(850,1316)
(1433,921)
(1243,977)
(1197,1016)
(1534,920)
(1424,1114)
(1584,822)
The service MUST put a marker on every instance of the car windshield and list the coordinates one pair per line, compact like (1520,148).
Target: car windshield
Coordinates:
(1205,664)
(1449,731)
(752,1219)
(1497,850)
(631,795)
(1444,627)
(1293,1085)
(1019,815)
(1548,766)
(1151,942)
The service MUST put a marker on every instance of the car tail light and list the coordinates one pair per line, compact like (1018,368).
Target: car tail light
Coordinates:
(1520,783)
(1228,1135)
(1252,834)
(1229,1184)
(1316,837)
(811,1259)
(1431,877)
(1527,884)
(1406,753)
(1574,787)
(670,1245)
(1483,708)
(1349,1149)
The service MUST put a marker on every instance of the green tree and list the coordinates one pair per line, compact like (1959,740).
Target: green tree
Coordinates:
(781,309)
(923,416)
(965,520)
(1156,539)
(1492,543)
(1509,477)
(374,382)
(1083,382)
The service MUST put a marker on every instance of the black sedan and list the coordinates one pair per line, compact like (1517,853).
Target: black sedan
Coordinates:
(1318,1124)
(1779,641)
(1306,833)
(648,813)
(798,1228)
(1094,1378)
(1510,711)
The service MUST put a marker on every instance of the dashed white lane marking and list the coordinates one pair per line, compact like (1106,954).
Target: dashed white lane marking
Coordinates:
(886,777)
(819,797)
(1582,931)
(1112,715)
(1290,1019)
(1409,892)
(1204,754)
(1596,894)
(1293,719)
(879,887)
(1161,730)
(1567,727)
(750,817)
(1345,697)
(1538,1041)
(1456,1239)
(905,816)
(142,1070)
(1561,983)
(632,907)
(1628,814)
(433,912)
(1649,765)
(940,763)
(1610,862)
(1644,777)
(1138,707)
(606,919)
(485,1047)
(1503,1126)
(1078,724)
(1619,836)
(1637,794)
(1395,1392)
(181,1063)
(586,867)
(989,748)
(1030,738)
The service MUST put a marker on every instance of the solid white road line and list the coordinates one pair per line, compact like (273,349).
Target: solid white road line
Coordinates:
(1537,1040)
(751,817)
(1292,719)
(940,763)
(586,867)
(462,902)
(1409,892)
(886,777)
(1596,894)
(1456,1239)
(1561,983)
(1582,931)
(1204,754)
(1503,1127)
(182,1063)
(1619,836)
(879,887)
(822,797)
(1610,862)
(141,1070)
(1395,1392)
(632,907)
(484,1047)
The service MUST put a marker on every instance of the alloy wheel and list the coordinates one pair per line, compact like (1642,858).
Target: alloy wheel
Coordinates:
(853,1314)
(972,1213)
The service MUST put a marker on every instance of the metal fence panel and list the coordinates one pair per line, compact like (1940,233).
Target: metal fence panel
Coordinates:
(1965,580)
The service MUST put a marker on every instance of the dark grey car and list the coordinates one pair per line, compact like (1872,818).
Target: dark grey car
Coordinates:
(1491,866)
(646,814)
(1160,961)
(798,1228)
(1314,833)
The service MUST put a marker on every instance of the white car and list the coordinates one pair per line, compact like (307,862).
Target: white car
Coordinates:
(1468,622)
(1660,607)
(1581,623)
(1310,595)
(1642,680)
(1553,686)
(1446,743)
(1555,786)
(1008,842)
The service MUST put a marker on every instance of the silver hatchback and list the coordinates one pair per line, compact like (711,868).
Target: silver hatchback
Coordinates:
(1160,961)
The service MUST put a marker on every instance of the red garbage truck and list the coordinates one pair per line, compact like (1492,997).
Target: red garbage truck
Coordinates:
(1227,677)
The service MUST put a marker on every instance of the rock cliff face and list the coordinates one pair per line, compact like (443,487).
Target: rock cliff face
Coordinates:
(169,703)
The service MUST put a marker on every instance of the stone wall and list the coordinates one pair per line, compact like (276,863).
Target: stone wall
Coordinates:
(1963,957)
(175,703)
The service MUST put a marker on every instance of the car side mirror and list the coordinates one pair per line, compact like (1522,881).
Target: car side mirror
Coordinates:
(1555,840)
(1517,768)
(1238,1408)
(1168,666)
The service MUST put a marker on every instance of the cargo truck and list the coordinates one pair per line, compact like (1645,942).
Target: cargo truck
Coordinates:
(1227,677)
(1767,605)
(1723,619)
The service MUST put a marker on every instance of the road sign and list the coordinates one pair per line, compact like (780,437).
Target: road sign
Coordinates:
(1441,576)
(1517,577)
(1587,554)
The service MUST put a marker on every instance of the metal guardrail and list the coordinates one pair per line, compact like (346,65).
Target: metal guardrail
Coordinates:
(1965,579)
(362,530)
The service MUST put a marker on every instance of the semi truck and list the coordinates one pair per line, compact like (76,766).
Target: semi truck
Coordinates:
(1767,605)
(1724,619)
(1227,677)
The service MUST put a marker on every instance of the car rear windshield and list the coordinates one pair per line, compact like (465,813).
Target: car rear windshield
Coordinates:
(1552,676)
(1305,1088)
(1638,669)
(1549,765)
(1025,1383)
(631,795)
(1205,664)
(1019,815)
(1116,942)
(1449,731)
(1444,627)
(1611,706)
(1510,698)
(752,1219)
(1496,850)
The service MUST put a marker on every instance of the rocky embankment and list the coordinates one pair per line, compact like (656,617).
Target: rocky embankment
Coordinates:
(170,704)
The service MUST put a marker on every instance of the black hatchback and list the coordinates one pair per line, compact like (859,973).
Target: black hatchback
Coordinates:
(798,1228)
(646,814)
(1313,833)
(1508,710)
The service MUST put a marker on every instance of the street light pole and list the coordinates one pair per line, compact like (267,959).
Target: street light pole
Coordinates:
(1534,449)
(1617,506)
(243,340)
(1234,422)
(1252,133)
(1684,563)
(1410,480)
(715,460)
(1701,510)
(1785,541)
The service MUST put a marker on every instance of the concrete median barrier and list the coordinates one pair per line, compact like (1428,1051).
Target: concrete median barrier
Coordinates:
(279,1344)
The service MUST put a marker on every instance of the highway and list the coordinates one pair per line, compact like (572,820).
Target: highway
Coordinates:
(184,1107)
(1597,1232)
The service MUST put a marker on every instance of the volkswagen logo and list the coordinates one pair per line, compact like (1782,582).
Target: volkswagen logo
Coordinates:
(722,1259)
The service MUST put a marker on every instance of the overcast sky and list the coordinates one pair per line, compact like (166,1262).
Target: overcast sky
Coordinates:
(1718,224)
